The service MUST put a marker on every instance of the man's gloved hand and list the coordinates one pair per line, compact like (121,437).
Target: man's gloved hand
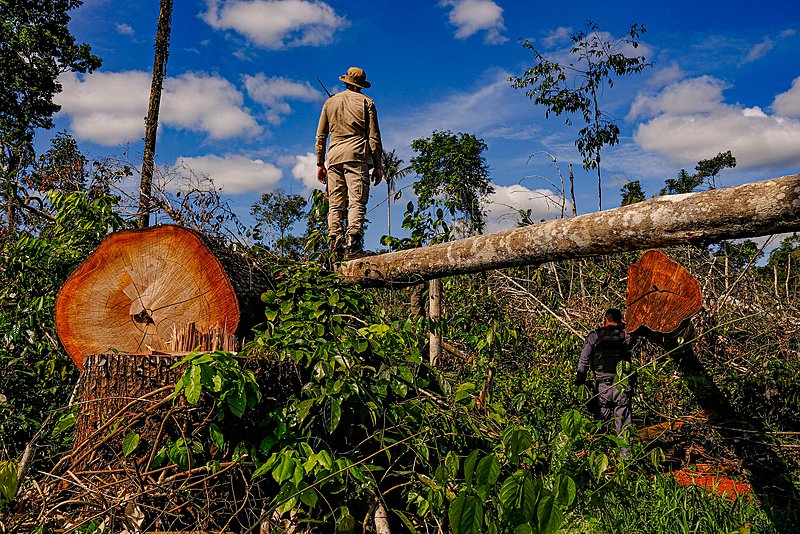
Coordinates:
(580,379)
(322,175)
(377,175)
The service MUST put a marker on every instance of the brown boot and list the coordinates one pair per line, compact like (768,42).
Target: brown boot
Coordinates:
(354,247)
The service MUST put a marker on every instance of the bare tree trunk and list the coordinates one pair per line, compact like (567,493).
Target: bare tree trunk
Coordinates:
(759,208)
(435,296)
(151,122)
(572,191)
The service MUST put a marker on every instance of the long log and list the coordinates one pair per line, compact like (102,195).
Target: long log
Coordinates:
(749,210)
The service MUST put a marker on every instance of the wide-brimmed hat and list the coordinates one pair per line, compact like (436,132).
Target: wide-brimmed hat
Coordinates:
(357,77)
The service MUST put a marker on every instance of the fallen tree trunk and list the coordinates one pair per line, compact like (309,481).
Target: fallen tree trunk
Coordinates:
(749,210)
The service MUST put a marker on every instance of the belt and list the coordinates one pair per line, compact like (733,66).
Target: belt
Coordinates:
(607,380)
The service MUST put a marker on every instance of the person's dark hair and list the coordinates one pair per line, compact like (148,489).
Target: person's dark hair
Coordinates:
(614,315)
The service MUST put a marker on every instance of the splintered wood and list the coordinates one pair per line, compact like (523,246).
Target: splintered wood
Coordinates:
(186,338)
(661,294)
(138,287)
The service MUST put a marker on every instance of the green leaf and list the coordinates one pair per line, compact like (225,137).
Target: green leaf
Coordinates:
(464,391)
(406,521)
(469,467)
(332,413)
(466,514)
(309,497)
(285,469)
(529,497)
(565,491)
(486,475)
(549,515)
(8,481)
(193,385)
(217,438)
(524,528)
(303,408)
(129,443)
(236,399)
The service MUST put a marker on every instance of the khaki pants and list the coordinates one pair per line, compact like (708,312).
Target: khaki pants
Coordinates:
(348,187)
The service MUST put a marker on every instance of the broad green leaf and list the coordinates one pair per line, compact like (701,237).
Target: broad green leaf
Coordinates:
(510,491)
(524,528)
(303,408)
(598,461)
(217,438)
(549,515)
(464,391)
(309,497)
(8,481)
(566,491)
(284,470)
(193,385)
(332,413)
(129,443)
(530,496)
(237,399)
(466,514)
(486,475)
(469,467)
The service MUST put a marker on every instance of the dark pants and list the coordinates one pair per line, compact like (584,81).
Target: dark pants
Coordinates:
(616,405)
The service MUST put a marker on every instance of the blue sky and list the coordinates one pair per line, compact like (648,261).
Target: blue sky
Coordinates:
(241,101)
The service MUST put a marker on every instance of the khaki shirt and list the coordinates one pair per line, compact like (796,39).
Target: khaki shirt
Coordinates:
(352,122)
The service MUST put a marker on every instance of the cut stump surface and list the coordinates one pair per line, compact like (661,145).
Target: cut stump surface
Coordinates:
(130,293)
(661,294)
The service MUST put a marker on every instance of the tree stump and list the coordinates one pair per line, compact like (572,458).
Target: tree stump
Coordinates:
(661,294)
(139,285)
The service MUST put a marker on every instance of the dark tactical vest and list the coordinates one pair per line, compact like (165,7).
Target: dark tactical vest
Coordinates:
(609,350)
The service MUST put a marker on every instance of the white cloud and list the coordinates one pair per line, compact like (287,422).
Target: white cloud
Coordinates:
(503,206)
(660,77)
(124,29)
(760,50)
(108,108)
(273,93)
(305,171)
(471,16)
(788,104)
(233,173)
(276,24)
(687,131)
(557,37)
(690,96)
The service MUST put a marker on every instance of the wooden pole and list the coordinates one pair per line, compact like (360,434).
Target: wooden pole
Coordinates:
(151,122)
(435,312)
(749,210)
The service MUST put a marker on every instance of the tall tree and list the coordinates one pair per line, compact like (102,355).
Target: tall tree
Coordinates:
(36,47)
(576,87)
(151,121)
(453,170)
(276,213)
(393,171)
(707,171)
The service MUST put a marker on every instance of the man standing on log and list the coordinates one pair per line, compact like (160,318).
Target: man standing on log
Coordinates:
(607,351)
(355,146)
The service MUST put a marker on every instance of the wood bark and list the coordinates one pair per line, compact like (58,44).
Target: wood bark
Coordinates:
(140,285)
(151,121)
(435,338)
(749,210)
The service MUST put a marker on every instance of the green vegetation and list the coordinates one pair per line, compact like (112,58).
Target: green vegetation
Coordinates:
(496,438)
